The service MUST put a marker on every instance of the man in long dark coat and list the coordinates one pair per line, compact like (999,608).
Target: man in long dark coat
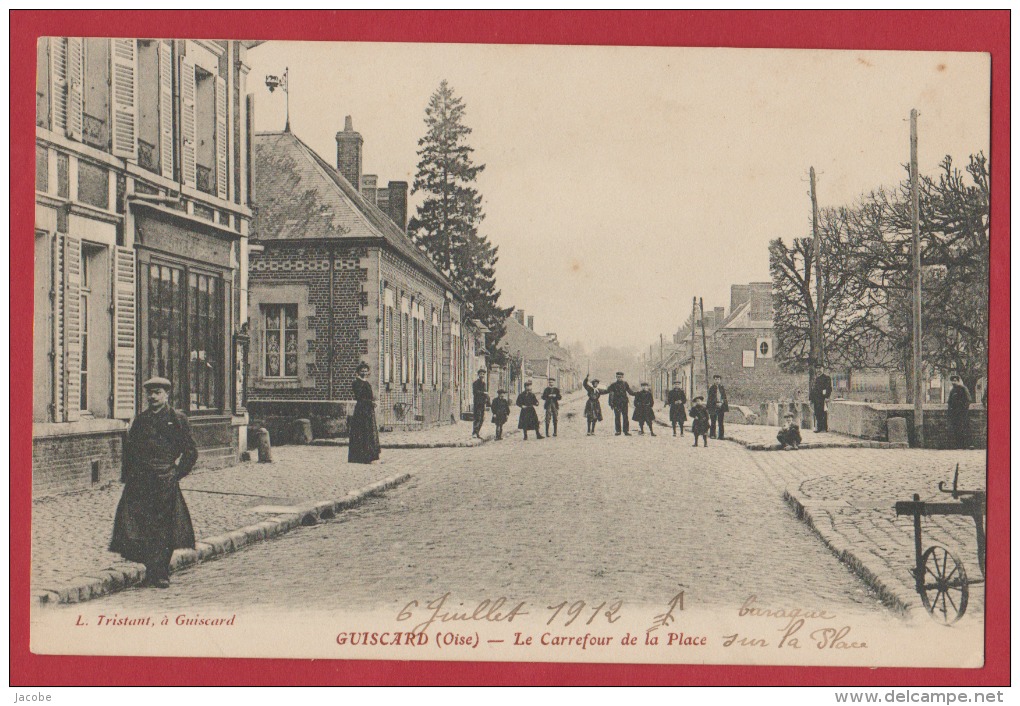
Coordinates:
(717,407)
(152,518)
(821,391)
(619,399)
(480,392)
(958,409)
(528,420)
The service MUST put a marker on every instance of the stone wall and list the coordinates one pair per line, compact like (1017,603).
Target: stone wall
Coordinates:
(868,421)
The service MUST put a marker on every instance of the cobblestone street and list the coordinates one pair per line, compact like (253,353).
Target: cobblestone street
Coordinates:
(601,518)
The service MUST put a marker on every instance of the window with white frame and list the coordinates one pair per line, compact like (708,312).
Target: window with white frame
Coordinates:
(387,341)
(281,340)
(437,355)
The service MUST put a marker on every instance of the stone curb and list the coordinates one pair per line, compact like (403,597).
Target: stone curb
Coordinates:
(878,579)
(122,575)
(806,446)
(471,443)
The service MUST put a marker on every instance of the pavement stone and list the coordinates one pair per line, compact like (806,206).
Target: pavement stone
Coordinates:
(848,495)
(71,532)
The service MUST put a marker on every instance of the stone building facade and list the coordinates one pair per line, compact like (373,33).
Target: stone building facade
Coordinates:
(142,215)
(335,282)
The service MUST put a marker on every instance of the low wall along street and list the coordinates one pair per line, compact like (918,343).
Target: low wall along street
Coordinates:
(869,421)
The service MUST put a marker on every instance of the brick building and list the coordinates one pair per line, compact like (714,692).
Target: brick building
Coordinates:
(739,347)
(335,281)
(142,215)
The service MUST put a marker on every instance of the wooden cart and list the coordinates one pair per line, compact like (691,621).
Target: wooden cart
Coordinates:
(939,576)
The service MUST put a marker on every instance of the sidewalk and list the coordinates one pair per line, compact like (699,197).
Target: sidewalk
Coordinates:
(70,533)
(847,496)
(757,437)
(444,436)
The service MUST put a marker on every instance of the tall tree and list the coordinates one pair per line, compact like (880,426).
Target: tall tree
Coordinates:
(447,221)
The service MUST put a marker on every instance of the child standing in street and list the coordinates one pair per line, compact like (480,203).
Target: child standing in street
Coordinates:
(676,401)
(699,420)
(500,412)
(644,409)
(593,407)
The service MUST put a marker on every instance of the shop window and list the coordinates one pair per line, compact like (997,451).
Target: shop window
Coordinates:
(205,335)
(281,340)
(166,342)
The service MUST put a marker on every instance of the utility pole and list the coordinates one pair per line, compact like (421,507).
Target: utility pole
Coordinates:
(694,318)
(818,357)
(916,234)
(661,371)
(704,342)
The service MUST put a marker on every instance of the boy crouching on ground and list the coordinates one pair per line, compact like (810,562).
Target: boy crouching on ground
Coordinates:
(789,436)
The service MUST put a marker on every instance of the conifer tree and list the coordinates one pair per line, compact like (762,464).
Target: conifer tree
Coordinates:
(446,223)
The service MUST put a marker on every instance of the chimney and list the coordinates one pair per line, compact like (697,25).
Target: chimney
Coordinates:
(739,293)
(369,182)
(720,315)
(519,314)
(531,323)
(348,153)
(398,203)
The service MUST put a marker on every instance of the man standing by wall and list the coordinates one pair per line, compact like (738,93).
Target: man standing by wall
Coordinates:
(717,406)
(821,391)
(958,409)
(152,519)
(480,390)
(620,402)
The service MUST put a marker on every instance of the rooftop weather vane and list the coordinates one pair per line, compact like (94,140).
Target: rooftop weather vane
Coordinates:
(274,82)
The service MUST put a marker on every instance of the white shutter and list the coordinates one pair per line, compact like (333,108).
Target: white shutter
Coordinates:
(57,283)
(72,327)
(166,110)
(221,138)
(124,316)
(75,87)
(58,84)
(189,137)
(124,97)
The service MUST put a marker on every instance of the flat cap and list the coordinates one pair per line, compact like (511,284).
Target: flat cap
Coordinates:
(157,382)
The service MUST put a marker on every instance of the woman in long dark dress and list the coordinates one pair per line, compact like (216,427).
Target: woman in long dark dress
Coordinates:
(364,432)
(528,420)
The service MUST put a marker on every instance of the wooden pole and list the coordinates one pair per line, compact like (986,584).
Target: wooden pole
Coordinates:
(916,237)
(817,357)
(704,342)
(694,318)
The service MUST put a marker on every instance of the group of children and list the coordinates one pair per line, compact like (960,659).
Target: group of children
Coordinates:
(644,413)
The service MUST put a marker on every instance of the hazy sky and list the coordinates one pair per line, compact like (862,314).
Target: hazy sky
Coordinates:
(621,181)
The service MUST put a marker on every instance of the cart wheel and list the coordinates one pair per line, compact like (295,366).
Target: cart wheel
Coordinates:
(945,585)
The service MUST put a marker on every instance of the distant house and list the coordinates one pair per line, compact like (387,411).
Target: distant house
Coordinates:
(334,282)
(539,357)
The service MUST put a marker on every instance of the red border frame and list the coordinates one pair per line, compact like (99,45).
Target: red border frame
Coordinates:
(986,31)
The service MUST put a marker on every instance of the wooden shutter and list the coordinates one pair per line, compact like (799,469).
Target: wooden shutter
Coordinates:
(166,110)
(221,138)
(124,318)
(57,285)
(75,87)
(72,327)
(58,84)
(189,138)
(124,97)
(250,147)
